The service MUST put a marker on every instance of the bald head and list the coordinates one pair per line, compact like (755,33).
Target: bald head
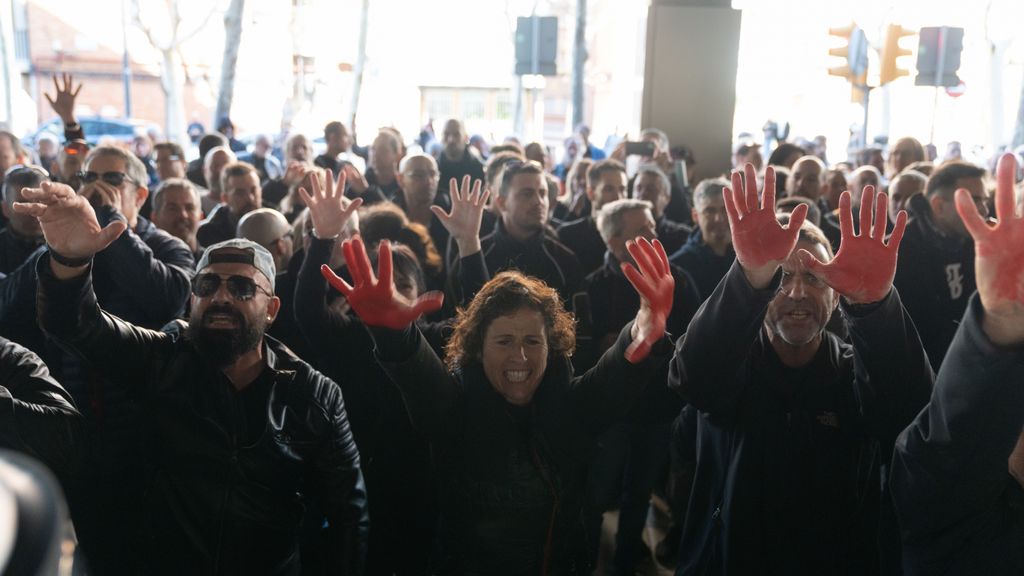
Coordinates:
(807,178)
(213,164)
(270,229)
(861,177)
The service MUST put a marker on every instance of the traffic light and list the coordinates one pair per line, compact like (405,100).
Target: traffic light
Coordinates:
(938,56)
(854,50)
(891,50)
(858,85)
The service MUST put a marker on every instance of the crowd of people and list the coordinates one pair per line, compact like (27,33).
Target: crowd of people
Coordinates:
(453,356)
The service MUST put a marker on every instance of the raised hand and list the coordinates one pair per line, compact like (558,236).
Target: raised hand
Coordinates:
(863,269)
(656,286)
(327,207)
(355,178)
(376,301)
(761,243)
(68,221)
(63,102)
(999,257)
(463,222)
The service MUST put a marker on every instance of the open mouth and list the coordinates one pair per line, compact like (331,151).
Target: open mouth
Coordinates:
(221,319)
(517,376)
(798,315)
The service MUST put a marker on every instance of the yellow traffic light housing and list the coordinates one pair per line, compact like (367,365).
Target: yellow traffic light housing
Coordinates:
(890,51)
(842,51)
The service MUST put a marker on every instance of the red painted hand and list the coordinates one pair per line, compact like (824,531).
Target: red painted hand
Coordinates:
(375,300)
(863,269)
(999,257)
(761,243)
(656,287)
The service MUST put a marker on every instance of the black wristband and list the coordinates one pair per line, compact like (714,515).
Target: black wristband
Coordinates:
(69,262)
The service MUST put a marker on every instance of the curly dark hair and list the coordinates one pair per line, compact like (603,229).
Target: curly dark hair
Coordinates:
(501,296)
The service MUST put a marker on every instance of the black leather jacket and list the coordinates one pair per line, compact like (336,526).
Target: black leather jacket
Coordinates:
(37,416)
(213,504)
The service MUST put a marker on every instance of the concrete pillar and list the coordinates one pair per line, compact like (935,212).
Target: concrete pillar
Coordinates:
(690,77)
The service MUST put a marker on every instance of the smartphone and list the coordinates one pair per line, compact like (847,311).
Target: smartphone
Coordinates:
(640,149)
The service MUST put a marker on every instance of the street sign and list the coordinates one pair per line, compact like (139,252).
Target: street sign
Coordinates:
(536,45)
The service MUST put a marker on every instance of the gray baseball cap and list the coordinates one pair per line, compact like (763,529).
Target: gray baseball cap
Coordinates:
(258,257)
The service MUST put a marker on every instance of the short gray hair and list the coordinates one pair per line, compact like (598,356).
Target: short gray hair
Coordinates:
(158,194)
(609,217)
(666,184)
(709,188)
(134,167)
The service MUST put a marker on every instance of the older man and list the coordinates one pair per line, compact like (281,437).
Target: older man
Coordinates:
(176,209)
(652,184)
(860,178)
(708,253)
(213,167)
(240,429)
(788,414)
(22,235)
(808,180)
(418,176)
(632,456)
(142,275)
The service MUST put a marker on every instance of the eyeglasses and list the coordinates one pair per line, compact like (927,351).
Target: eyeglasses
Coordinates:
(112,178)
(240,287)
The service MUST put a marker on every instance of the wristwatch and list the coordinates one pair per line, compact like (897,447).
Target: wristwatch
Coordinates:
(68,261)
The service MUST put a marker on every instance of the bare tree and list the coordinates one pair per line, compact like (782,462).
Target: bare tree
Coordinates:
(579,59)
(170,69)
(360,66)
(232,38)
(1018,131)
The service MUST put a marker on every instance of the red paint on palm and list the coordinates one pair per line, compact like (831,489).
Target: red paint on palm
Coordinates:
(999,249)
(374,299)
(757,236)
(656,286)
(863,269)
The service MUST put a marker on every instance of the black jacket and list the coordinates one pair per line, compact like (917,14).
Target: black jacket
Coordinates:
(14,250)
(217,227)
(395,457)
(581,236)
(787,478)
(541,257)
(672,234)
(702,264)
(959,509)
(37,416)
(935,278)
(512,478)
(468,164)
(215,505)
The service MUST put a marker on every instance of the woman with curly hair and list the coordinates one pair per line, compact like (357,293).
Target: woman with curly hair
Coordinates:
(511,430)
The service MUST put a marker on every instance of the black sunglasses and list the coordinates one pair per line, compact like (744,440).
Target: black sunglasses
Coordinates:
(240,287)
(112,178)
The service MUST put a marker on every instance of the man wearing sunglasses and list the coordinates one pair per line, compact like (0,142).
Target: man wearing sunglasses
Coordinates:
(247,431)
(143,276)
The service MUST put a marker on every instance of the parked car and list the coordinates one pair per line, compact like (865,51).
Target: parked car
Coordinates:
(97,129)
